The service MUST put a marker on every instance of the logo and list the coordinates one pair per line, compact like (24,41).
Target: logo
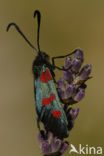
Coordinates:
(85,149)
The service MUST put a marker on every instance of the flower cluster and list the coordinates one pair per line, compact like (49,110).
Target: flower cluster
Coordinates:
(50,144)
(71,89)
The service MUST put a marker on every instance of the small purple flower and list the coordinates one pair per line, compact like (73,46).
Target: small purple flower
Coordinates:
(64,147)
(61,84)
(71,115)
(68,63)
(61,93)
(56,145)
(79,95)
(79,54)
(67,75)
(67,92)
(85,72)
(46,148)
(74,113)
(76,64)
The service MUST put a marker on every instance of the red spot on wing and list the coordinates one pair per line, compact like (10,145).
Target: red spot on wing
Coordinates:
(56,114)
(46,101)
(49,77)
(43,77)
(52,97)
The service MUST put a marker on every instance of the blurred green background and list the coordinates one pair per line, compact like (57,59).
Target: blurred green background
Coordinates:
(65,26)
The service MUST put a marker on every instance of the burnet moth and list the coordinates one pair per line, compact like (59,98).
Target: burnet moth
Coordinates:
(49,109)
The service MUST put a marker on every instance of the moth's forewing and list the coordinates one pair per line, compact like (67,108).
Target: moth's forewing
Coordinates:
(58,125)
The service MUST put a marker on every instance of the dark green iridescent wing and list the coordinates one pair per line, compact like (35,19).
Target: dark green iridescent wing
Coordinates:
(49,108)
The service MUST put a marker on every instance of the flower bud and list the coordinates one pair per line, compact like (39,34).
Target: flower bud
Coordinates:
(74,113)
(61,93)
(85,72)
(64,147)
(68,92)
(56,145)
(68,76)
(79,95)
(61,84)
(67,64)
(79,55)
(70,88)
(45,147)
(76,64)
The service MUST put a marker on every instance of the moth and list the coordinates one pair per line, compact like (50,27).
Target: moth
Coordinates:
(49,109)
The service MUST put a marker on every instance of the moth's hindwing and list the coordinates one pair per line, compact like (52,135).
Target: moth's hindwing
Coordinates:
(48,106)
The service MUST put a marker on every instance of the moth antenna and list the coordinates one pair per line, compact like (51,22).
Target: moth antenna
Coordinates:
(38,29)
(20,32)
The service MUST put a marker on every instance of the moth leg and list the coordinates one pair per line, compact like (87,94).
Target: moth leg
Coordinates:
(58,57)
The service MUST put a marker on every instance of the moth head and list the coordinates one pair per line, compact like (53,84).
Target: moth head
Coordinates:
(44,56)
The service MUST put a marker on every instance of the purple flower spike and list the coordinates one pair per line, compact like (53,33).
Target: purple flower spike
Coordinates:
(74,113)
(85,72)
(68,76)
(61,84)
(45,147)
(79,54)
(64,147)
(79,95)
(67,64)
(56,145)
(76,64)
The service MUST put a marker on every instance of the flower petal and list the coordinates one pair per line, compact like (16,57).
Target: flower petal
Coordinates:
(85,72)
(68,76)
(70,88)
(79,54)
(79,95)
(61,93)
(76,64)
(45,147)
(61,84)
(67,64)
(56,145)
(64,147)
(74,113)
